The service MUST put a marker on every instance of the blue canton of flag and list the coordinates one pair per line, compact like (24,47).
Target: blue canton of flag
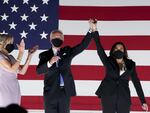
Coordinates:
(32,20)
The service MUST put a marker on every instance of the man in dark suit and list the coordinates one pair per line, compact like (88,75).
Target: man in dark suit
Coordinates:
(55,64)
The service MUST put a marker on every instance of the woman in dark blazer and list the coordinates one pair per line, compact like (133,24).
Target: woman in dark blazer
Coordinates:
(114,89)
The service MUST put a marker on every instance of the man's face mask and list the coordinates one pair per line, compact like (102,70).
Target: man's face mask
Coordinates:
(10,48)
(57,42)
(118,54)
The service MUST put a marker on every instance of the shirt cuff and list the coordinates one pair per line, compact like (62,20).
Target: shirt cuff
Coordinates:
(90,31)
(48,64)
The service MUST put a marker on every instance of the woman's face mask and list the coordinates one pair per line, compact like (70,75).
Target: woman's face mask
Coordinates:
(118,54)
(10,48)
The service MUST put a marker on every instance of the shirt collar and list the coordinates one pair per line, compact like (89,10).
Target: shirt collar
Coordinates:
(54,51)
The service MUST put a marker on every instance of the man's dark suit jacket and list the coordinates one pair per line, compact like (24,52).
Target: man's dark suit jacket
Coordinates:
(112,81)
(52,74)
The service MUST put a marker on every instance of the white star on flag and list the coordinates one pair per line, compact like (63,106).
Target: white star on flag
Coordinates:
(25,1)
(14,8)
(32,26)
(12,25)
(34,8)
(45,1)
(5,1)
(23,34)
(24,17)
(4,17)
(44,35)
(44,17)
(3,32)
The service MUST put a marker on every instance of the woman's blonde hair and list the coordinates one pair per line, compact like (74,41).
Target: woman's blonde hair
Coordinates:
(5,39)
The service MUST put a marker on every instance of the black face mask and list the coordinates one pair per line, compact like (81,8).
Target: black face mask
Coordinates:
(118,54)
(10,48)
(57,42)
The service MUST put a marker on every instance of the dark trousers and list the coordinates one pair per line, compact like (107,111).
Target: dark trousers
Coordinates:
(58,103)
(115,104)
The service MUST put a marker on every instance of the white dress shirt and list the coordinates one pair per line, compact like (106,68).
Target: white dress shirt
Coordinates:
(55,53)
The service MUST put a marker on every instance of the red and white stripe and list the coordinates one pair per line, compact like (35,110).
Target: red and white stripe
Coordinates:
(127,21)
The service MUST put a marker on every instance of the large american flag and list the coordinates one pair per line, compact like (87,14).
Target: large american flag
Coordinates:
(119,20)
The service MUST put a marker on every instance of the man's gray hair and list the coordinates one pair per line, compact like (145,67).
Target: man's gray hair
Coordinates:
(56,31)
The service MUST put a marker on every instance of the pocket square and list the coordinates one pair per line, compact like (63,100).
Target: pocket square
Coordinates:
(64,54)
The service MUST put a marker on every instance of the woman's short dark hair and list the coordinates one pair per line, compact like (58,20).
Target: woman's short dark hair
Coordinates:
(114,46)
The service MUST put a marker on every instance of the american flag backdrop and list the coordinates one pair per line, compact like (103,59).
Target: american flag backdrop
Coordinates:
(119,20)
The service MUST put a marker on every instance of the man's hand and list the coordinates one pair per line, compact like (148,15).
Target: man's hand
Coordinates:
(54,59)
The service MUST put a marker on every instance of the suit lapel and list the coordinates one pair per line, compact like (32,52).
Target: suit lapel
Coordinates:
(116,69)
(128,66)
(50,52)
